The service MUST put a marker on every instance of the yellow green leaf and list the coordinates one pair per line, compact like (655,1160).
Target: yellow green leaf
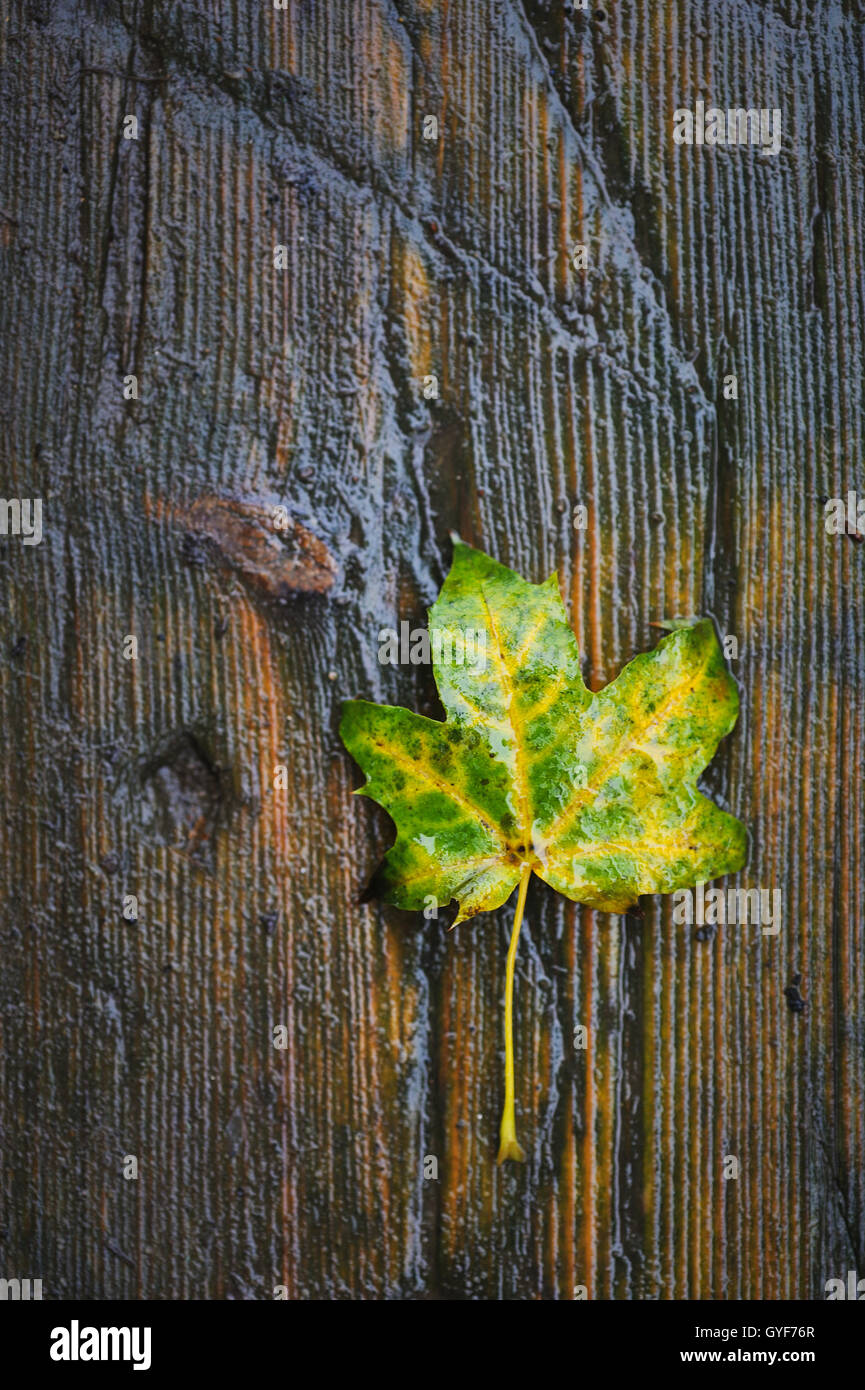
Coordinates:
(532,773)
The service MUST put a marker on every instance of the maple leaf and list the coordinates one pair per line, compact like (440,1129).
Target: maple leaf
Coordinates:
(533,773)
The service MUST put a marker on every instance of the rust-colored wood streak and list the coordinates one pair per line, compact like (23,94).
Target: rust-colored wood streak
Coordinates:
(205,778)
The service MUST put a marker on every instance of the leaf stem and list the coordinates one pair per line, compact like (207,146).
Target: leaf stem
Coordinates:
(508,1147)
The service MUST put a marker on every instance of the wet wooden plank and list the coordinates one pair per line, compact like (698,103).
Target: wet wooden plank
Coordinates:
(205,777)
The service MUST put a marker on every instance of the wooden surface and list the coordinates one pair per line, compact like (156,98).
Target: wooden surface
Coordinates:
(302,1166)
